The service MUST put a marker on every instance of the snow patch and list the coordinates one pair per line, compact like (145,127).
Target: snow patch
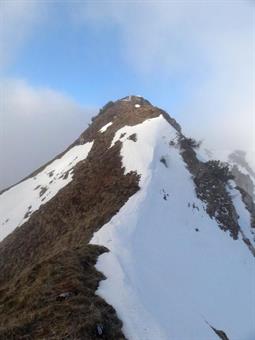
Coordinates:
(138,156)
(105,127)
(244,215)
(19,202)
(137,105)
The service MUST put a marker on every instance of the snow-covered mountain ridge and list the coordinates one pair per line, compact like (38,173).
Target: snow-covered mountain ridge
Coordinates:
(162,245)
(179,232)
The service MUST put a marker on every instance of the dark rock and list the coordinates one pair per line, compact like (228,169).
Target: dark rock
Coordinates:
(133,137)
(164,161)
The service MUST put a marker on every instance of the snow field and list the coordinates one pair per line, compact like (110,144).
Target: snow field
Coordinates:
(171,270)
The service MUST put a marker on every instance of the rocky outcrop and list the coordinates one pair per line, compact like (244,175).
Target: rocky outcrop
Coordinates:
(210,179)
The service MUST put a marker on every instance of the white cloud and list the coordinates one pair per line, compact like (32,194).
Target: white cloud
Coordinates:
(18,20)
(36,124)
(208,46)
(170,35)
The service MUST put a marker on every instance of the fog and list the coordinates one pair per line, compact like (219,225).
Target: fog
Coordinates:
(36,125)
(209,45)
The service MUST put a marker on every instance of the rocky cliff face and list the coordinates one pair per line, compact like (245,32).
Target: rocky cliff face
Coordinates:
(132,197)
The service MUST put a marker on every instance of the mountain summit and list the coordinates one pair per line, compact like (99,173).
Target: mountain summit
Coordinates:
(132,232)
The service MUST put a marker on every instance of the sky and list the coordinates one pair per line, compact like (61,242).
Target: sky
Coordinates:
(60,61)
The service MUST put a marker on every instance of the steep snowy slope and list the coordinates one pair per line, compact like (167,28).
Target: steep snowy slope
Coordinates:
(171,272)
(20,201)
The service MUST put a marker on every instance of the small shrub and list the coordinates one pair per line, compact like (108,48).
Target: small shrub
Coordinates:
(189,143)
(106,107)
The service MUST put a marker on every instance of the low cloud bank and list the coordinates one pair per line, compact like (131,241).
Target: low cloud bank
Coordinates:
(36,124)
